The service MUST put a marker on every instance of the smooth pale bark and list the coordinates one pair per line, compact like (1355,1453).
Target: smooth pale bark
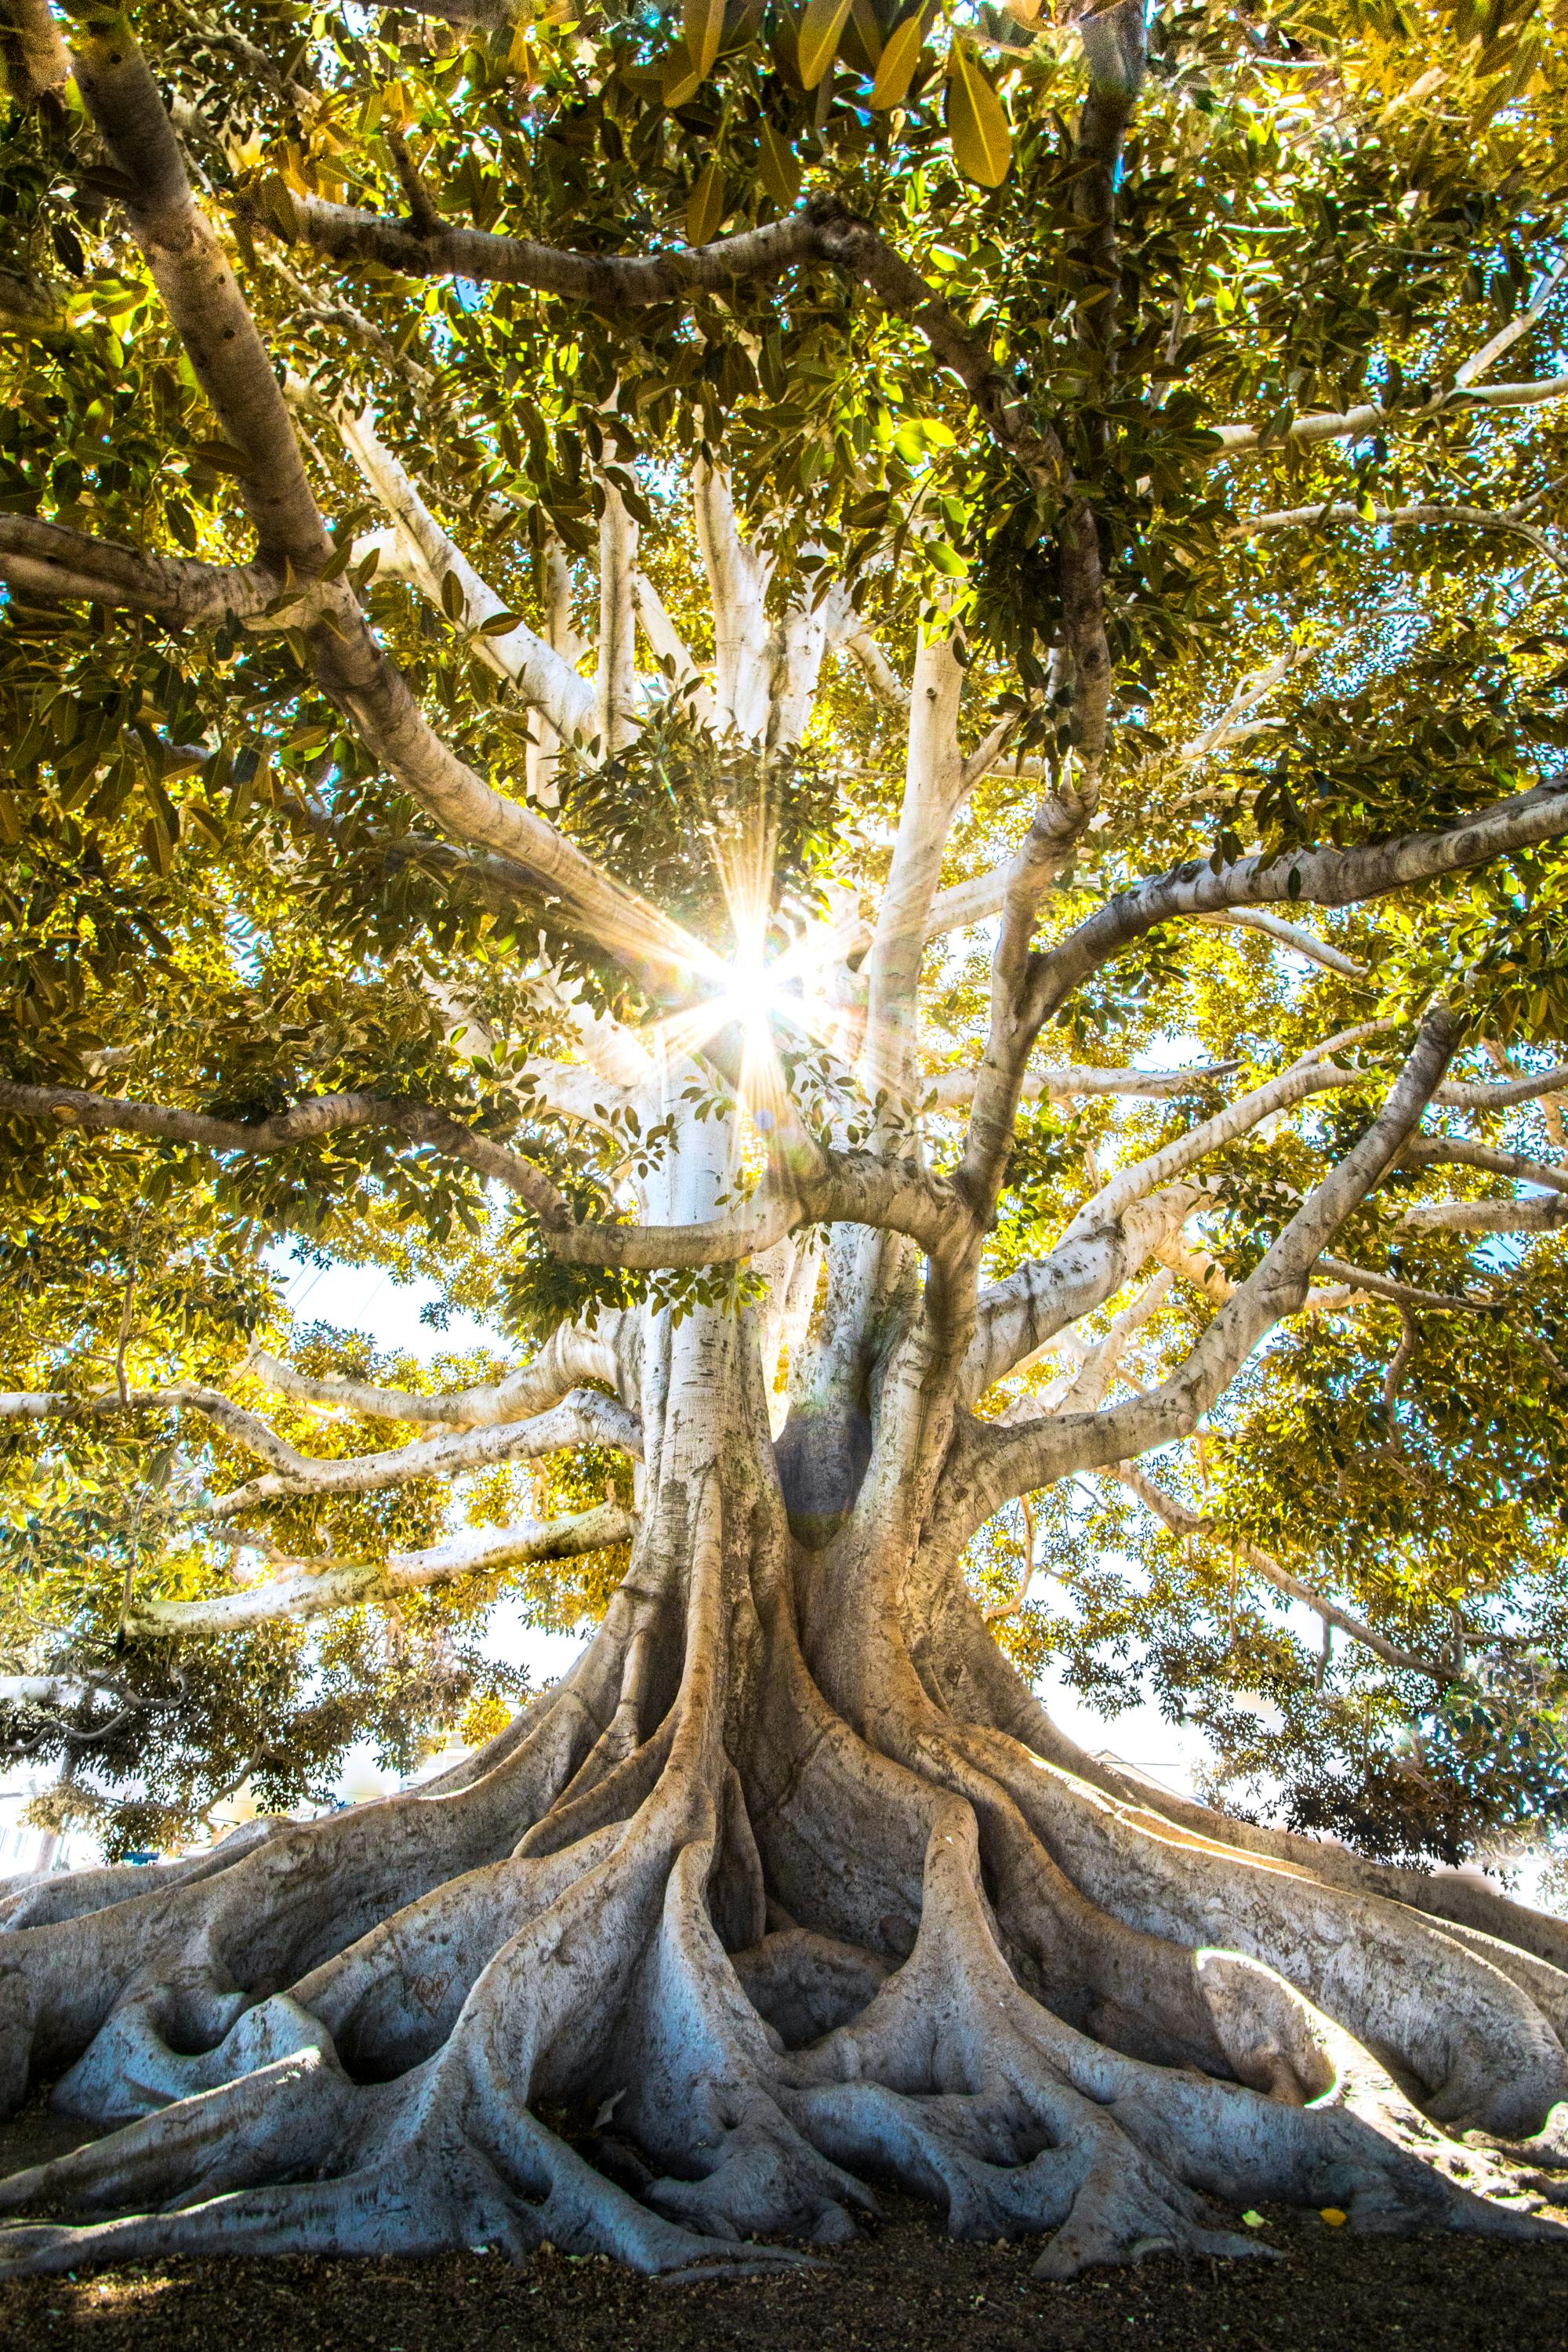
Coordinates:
(614,703)
(789,1885)
(794,1918)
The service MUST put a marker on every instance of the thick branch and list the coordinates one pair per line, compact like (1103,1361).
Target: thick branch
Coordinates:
(1048,846)
(246,1429)
(954,1088)
(932,789)
(1253,526)
(964,903)
(1018,1460)
(584,1417)
(548,682)
(1354,423)
(1488,1094)
(614,699)
(569,1357)
(308,1122)
(1548,1216)
(1311,1076)
(1325,877)
(1374,1284)
(308,1591)
(47,560)
(1017,1318)
(859,1188)
(1457,1151)
(608,282)
(1294,935)
(34,62)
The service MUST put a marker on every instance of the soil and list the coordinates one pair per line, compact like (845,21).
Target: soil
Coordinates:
(901,2283)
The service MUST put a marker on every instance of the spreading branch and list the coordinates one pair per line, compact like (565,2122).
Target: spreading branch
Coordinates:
(582,1417)
(1355,424)
(309,1122)
(1189,1523)
(309,1589)
(569,1357)
(1427,515)
(1009,1462)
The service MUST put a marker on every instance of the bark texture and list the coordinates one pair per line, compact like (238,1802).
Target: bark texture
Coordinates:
(787,1889)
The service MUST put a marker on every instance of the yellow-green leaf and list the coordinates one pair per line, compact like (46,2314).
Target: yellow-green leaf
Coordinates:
(819,30)
(976,121)
(679,76)
(704,31)
(779,166)
(705,205)
(900,56)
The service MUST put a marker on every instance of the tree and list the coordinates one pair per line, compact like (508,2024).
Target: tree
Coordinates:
(1126,457)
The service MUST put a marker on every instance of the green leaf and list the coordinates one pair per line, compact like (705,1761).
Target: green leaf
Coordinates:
(221,456)
(778,167)
(862,47)
(976,121)
(158,846)
(901,55)
(204,823)
(705,205)
(453,601)
(680,77)
(704,31)
(819,31)
(501,625)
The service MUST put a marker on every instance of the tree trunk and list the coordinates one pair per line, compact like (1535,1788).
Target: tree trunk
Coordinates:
(788,1887)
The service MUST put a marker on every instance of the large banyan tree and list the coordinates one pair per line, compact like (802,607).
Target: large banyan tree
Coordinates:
(856,720)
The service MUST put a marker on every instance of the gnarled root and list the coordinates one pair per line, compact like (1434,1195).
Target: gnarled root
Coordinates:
(691,1956)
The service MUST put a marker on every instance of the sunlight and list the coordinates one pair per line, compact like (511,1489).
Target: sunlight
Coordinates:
(752,993)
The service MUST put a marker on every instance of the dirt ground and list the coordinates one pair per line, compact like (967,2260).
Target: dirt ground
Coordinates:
(901,2285)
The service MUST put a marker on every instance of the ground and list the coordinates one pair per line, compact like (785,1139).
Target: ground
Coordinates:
(901,2283)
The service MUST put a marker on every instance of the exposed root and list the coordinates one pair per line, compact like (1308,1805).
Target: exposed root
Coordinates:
(676,1969)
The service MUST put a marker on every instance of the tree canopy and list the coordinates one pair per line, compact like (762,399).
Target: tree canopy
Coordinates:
(374,565)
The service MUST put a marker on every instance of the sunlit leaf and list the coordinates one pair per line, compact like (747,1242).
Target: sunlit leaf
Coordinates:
(704,31)
(778,167)
(900,56)
(705,205)
(977,120)
(819,30)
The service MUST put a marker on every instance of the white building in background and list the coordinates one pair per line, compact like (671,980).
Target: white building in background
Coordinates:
(22,1848)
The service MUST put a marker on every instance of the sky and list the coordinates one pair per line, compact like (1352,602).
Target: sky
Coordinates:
(366,1298)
